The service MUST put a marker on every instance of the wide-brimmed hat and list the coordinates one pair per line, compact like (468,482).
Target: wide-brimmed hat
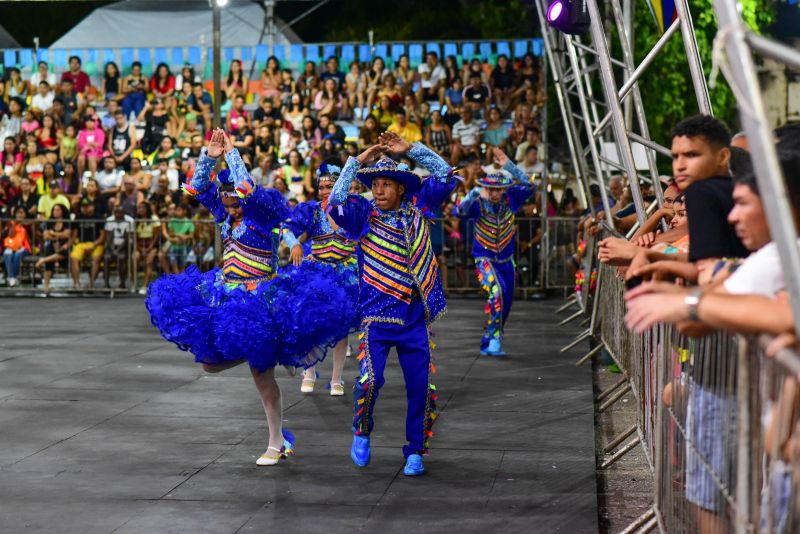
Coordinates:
(388,168)
(496,180)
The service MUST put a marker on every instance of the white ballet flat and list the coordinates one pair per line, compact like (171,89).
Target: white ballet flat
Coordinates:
(266,459)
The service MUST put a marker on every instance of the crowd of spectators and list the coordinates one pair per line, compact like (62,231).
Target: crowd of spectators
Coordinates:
(705,261)
(90,158)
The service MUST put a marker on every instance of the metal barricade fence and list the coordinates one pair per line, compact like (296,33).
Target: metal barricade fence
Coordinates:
(718,420)
(541,255)
(146,252)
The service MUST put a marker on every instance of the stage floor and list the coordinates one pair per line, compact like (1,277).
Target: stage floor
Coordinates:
(108,428)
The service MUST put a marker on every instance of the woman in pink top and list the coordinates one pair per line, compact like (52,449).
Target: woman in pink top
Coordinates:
(91,141)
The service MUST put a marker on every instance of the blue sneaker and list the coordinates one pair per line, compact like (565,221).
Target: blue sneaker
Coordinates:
(414,466)
(360,451)
(494,349)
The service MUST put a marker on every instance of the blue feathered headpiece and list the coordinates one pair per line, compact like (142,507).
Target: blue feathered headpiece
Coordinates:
(328,172)
(224,177)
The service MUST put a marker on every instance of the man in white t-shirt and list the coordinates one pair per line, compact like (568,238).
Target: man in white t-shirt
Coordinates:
(119,229)
(42,75)
(163,169)
(109,179)
(466,137)
(432,77)
(761,272)
(530,164)
(43,99)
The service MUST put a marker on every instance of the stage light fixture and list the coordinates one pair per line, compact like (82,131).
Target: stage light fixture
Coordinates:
(568,16)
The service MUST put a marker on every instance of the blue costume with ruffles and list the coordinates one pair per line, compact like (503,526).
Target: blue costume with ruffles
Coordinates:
(494,245)
(245,310)
(401,292)
(330,247)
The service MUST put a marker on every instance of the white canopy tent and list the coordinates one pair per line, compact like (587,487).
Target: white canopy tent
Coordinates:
(171,23)
(6,40)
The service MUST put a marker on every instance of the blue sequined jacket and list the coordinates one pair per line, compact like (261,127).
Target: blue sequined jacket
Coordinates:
(249,248)
(396,260)
(495,228)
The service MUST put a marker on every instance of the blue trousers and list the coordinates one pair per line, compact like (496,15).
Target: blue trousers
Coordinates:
(13,261)
(413,349)
(133,102)
(497,279)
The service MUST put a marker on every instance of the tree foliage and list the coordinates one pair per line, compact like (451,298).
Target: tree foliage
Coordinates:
(666,88)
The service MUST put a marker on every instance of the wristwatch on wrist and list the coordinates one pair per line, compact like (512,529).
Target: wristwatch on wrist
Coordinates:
(692,300)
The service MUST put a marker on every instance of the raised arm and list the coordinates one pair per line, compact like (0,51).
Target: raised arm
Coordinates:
(510,167)
(266,206)
(439,184)
(202,188)
(341,189)
(469,206)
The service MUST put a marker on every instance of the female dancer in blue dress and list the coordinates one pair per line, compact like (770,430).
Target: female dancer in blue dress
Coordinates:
(330,247)
(244,311)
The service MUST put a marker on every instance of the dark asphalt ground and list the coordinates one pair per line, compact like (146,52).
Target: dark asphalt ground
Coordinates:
(108,428)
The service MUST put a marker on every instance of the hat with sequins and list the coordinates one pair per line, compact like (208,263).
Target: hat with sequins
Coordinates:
(496,180)
(388,168)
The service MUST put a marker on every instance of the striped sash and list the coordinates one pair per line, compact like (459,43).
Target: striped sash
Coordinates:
(332,247)
(385,256)
(245,264)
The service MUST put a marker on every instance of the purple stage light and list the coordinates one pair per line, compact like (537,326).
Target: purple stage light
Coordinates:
(555,10)
(568,16)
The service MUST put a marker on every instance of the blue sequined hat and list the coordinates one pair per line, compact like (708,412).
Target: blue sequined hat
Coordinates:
(388,168)
(496,180)
(328,172)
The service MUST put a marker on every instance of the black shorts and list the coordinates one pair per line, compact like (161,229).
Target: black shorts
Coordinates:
(51,266)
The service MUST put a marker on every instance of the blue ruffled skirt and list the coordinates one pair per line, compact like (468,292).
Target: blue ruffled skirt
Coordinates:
(291,319)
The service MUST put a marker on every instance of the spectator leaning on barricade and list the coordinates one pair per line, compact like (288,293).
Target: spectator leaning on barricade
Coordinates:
(749,300)
(752,298)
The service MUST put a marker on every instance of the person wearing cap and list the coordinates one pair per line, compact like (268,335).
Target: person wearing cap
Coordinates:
(246,311)
(401,292)
(330,247)
(492,208)
(55,195)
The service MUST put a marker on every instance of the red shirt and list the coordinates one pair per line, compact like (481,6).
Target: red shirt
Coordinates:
(167,89)
(80,81)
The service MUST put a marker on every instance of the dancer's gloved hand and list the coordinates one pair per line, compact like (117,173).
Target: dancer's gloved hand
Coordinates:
(296,255)
(474,193)
(216,145)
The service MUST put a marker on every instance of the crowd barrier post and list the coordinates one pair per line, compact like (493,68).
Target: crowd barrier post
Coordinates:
(739,69)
